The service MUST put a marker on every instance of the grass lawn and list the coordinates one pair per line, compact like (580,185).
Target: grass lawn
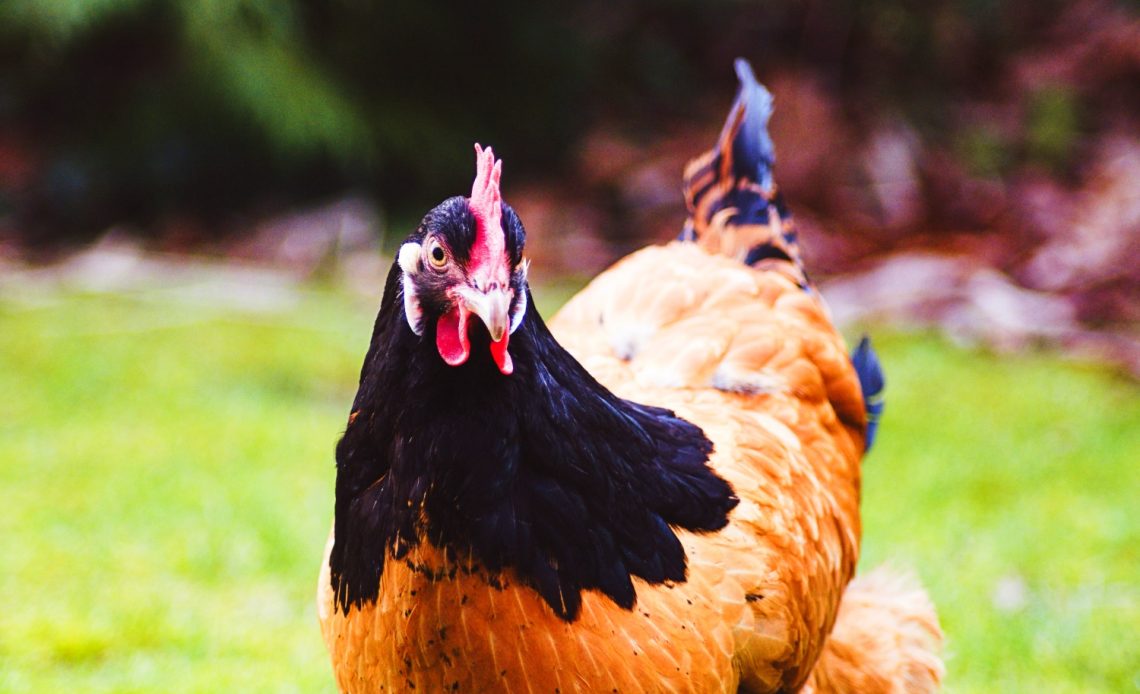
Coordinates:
(166,478)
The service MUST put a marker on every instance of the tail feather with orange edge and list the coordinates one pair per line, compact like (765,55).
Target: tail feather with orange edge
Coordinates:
(735,207)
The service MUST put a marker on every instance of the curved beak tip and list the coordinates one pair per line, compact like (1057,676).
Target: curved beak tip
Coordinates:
(492,308)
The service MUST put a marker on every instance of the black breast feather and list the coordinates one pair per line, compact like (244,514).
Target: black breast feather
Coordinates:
(544,472)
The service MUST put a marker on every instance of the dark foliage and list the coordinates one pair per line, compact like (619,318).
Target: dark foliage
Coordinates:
(133,110)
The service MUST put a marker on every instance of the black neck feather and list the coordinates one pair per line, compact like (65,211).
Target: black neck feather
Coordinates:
(543,471)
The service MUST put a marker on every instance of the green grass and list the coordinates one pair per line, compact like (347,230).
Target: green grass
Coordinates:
(1023,473)
(166,486)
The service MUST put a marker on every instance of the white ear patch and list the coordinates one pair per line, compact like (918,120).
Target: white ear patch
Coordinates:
(409,258)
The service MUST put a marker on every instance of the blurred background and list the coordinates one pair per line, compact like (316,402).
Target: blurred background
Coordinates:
(198,200)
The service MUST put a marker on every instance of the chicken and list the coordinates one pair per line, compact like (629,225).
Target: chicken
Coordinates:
(659,493)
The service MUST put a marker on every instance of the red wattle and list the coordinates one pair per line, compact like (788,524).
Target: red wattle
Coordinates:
(451,337)
(501,356)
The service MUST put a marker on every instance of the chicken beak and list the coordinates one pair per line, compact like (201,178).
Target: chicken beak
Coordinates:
(492,308)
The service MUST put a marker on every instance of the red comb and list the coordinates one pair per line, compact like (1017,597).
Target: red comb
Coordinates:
(486,205)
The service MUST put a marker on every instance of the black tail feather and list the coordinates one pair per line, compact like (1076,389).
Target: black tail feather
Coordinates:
(872,381)
(735,207)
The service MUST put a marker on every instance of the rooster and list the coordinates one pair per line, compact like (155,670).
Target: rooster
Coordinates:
(658,492)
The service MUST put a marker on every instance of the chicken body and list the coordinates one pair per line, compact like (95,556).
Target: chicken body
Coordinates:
(751,359)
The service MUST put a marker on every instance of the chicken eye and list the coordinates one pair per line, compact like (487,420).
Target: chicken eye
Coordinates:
(436,255)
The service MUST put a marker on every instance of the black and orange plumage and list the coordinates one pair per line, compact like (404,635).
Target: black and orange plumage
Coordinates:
(660,492)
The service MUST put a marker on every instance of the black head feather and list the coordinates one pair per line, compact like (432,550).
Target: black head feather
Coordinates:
(453,221)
